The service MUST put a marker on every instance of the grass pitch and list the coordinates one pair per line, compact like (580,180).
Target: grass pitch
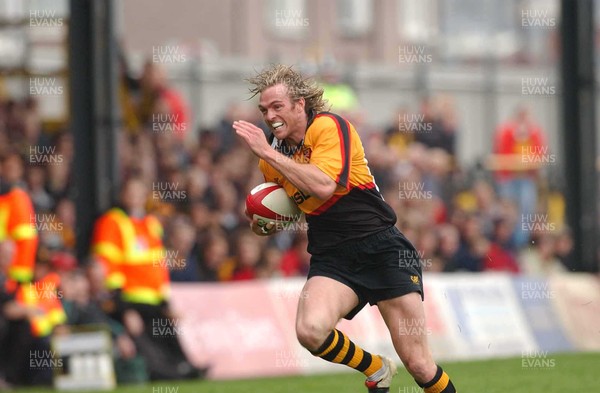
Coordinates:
(559,373)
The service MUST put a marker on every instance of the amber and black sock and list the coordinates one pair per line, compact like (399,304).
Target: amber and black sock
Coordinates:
(440,383)
(337,348)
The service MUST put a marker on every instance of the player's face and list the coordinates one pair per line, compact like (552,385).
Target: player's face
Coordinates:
(285,118)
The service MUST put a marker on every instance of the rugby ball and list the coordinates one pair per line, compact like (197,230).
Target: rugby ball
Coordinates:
(270,203)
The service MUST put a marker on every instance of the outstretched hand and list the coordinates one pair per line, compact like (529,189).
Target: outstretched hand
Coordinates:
(253,136)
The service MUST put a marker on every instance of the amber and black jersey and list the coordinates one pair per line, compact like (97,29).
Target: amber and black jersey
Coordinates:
(356,209)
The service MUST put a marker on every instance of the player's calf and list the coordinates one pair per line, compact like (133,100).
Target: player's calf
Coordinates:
(338,348)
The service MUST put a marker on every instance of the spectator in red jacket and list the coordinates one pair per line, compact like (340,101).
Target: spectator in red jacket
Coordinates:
(243,265)
(520,150)
(162,108)
(495,258)
(296,259)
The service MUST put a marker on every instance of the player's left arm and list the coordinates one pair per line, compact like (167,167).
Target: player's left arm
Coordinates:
(306,177)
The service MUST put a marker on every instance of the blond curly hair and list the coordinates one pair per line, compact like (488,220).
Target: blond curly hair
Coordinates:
(298,86)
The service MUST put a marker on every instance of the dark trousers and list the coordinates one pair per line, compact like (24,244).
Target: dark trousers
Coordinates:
(159,344)
(24,359)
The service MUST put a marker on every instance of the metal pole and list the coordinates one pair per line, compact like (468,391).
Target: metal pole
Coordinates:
(106,108)
(579,128)
(81,103)
(94,112)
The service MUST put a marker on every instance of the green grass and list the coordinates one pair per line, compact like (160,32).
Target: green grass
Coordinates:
(570,373)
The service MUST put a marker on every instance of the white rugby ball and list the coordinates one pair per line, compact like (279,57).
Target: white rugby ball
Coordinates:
(269,202)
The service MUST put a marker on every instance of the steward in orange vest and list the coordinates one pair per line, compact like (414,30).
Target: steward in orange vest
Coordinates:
(128,242)
(32,312)
(17,220)
(131,250)
(44,297)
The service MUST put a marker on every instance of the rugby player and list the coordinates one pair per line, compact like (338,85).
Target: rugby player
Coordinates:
(355,248)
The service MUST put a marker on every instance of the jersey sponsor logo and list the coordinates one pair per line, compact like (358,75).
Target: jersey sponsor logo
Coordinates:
(299,197)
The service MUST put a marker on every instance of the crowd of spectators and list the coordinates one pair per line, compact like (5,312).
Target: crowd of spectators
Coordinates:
(457,217)
(498,215)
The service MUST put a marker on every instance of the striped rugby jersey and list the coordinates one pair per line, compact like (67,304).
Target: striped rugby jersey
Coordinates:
(356,209)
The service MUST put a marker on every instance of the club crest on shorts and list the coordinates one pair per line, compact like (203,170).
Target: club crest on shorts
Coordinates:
(414,279)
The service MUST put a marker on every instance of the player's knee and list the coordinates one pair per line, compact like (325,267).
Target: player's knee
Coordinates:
(311,334)
(420,367)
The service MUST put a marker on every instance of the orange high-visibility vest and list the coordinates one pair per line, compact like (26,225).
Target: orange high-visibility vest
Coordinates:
(133,254)
(17,223)
(43,294)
